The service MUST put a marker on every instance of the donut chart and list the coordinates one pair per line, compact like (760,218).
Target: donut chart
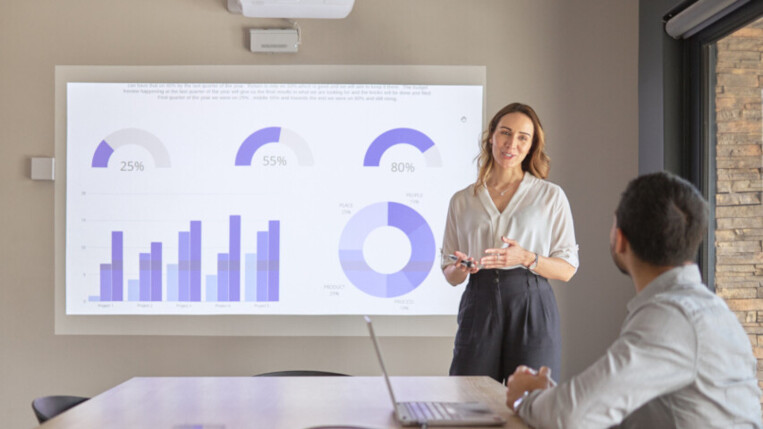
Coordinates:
(378,215)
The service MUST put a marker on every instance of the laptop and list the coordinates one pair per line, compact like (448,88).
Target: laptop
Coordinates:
(436,413)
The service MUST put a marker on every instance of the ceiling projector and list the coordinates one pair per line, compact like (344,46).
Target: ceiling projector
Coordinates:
(332,9)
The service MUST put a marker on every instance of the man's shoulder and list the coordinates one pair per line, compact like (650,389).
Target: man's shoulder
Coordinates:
(673,314)
(691,299)
(694,316)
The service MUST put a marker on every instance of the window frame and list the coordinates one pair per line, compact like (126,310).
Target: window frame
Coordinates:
(694,154)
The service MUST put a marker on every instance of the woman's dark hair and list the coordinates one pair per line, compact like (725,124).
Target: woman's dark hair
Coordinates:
(663,217)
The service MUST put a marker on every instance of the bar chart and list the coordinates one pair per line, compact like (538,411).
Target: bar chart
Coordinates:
(181,281)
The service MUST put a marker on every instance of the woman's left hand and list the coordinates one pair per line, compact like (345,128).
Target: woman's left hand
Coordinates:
(509,256)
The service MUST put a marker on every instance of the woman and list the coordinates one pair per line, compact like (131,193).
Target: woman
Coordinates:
(520,227)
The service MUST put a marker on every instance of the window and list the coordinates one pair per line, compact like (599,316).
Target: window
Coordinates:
(721,151)
(734,128)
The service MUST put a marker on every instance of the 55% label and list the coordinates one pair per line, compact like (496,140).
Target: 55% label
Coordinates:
(274,161)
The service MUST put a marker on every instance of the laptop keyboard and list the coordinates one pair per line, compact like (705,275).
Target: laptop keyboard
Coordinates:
(428,411)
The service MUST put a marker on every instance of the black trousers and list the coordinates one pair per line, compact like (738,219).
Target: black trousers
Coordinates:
(506,318)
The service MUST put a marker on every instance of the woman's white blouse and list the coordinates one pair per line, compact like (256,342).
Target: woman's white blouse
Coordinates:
(538,217)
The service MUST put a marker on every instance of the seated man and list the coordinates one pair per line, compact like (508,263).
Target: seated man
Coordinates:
(682,359)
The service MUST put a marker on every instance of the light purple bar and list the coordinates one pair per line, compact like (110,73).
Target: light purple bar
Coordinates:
(93,298)
(117,266)
(105,282)
(156,271)
(211,288)
(222,277)
(144,276)
(250,277)
(184,264)
(133,290)
(234,259)
(195,261)
(262,265)
(274,237)
(172,282)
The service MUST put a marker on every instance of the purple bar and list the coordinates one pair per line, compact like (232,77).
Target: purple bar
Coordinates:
(105,282)
(274,237)
(102,154)
(133,290)
(172,282)
(222,277)
(156,271)
(117,266)
(184,263)
(234,259)
(211,288)
(195,261)
(262,266)
(250,277)
(144,276)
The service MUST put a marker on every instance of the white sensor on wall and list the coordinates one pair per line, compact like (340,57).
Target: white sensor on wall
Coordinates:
(43,168)
(273,39)
(327,9)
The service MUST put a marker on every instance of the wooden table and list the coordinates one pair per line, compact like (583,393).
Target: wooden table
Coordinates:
(270,402)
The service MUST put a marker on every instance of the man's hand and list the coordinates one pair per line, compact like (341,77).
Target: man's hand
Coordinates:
(526,379)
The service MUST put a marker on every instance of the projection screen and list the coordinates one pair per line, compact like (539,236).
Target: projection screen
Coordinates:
(259,200)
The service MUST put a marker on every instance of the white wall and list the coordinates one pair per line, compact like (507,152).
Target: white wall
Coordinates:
(574,62)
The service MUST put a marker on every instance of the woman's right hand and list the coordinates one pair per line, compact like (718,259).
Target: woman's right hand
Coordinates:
(471,269)
(457,272)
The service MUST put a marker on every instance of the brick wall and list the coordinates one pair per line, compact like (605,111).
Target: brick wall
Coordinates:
(739,158)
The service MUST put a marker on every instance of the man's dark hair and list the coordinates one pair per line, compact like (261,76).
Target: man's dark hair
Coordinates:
(663,217)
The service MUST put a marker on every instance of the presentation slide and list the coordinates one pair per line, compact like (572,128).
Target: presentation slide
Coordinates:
(263,198)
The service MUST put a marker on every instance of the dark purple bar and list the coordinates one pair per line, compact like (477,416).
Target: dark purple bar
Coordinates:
(156,271)
(184,264)
(222,277)
(262,266)
(144,276)
(117,266)
(105,282)
(274,237)
(234,259)
(195,262)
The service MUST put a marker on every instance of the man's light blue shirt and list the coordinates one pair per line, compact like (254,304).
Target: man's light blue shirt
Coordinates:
(682,360)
